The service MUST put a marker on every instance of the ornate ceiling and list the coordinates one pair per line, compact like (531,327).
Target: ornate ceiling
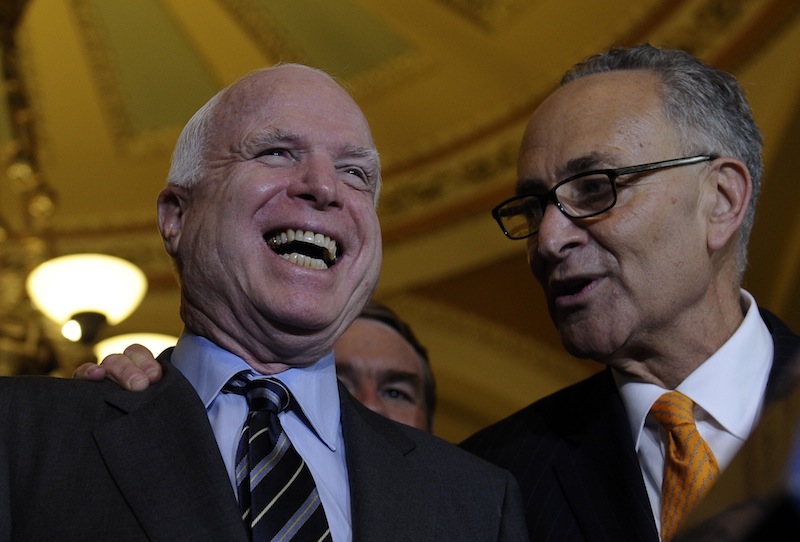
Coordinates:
(447,86)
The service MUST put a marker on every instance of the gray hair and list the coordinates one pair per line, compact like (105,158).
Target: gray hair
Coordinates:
(188,159)
(706,105)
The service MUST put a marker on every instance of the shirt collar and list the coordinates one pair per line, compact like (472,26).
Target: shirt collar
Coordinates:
(739,369)
(208,367)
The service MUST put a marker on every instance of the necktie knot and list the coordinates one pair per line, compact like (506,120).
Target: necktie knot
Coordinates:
(672,410)
(263,394)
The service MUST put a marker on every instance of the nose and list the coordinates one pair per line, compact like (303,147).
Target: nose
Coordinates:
(319,183)
(557,234)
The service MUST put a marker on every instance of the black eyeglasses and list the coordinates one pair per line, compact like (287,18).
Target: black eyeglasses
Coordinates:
(583,195)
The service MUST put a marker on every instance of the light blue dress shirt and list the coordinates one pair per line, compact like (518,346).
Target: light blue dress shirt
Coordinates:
(208,367)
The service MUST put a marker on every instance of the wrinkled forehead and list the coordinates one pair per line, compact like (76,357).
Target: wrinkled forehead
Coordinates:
(614,114)
(297,97)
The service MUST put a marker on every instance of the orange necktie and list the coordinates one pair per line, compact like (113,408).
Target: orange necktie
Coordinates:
(689,466)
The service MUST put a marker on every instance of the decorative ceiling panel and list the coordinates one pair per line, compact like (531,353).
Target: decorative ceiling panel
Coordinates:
(148,75)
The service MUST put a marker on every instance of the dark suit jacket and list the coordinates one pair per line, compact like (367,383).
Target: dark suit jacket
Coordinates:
(83,461)
(573,456)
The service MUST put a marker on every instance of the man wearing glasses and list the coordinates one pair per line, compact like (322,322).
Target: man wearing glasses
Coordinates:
(638,180)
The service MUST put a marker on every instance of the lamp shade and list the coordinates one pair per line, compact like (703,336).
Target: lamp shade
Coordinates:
(87,283)
(155,342)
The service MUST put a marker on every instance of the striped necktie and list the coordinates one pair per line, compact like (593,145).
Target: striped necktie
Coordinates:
(689,465)
(277,494)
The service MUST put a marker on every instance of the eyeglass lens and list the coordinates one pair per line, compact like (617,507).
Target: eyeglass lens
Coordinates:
(579,197)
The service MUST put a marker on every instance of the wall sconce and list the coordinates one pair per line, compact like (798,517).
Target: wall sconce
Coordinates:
(82,292)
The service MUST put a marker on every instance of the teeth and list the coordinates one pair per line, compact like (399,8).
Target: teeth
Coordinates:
(310,237)
(305,261)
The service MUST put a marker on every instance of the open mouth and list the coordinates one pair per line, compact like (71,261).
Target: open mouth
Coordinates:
(570,287)
(305,248)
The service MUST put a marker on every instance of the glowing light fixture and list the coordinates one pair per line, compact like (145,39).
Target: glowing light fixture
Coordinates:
(155,342)
(85,291)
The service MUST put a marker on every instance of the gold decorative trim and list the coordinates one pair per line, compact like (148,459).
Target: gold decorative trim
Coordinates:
(263,31)
(466,176)
(124,135)
(704,24)
(377,81)
(271,40)
(99,59)
(489,14)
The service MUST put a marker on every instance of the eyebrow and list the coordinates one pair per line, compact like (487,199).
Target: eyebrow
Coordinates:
(585,163)
(369,154)
(399,376)
(387,376)
(272,136)
(573,166)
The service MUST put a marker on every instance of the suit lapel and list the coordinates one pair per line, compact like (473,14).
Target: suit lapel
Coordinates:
(783,376)
(165,459)
(603,462)
(382,479)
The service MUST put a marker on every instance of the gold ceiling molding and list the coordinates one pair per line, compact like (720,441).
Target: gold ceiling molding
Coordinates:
(489,14)
(99,224)
(443,188)
(709,28)
(139,127)
(274,41)
(770,24)
(269,37)
(365,87)
(101,64)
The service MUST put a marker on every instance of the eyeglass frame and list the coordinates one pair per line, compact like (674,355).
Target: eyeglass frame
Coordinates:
(612,175)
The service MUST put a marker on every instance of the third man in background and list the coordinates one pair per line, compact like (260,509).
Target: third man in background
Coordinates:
(383,365)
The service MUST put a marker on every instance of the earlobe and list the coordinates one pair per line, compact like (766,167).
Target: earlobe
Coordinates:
(172,206)
(733,189)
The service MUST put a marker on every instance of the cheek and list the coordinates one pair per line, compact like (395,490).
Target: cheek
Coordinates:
(370,250)
(535,263)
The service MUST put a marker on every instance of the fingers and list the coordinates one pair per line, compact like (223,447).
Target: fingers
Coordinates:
(135,369)
(90,371)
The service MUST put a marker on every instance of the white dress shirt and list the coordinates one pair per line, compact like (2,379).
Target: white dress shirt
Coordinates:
(728,391)
(208,367)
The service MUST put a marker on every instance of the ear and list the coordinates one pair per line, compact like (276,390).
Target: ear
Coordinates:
(732,189)
(173,204)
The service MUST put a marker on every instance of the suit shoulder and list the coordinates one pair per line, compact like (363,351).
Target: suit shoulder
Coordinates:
(425,450)
(549,417)
(437,450)
(25,397)
(48,389)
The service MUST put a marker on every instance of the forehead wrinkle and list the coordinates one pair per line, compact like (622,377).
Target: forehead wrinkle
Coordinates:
(271,136)
(277,135)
